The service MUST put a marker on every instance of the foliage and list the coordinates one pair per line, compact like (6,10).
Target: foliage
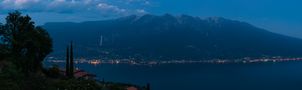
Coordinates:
(23,46)
(69,62)
(53,72)
(9,76)
(27,43)
(74,84)
(3,48)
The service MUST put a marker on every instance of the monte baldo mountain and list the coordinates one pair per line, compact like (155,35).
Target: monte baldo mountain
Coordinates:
(168,37)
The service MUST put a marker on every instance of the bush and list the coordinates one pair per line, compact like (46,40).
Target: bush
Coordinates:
(74,84)
(53,72)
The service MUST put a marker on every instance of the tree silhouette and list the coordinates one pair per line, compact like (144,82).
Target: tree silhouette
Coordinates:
(69,62)
(27,43)
(67,67)
(3,50)
(148,86)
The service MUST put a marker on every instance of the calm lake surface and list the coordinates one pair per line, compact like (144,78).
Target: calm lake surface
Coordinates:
(257,76)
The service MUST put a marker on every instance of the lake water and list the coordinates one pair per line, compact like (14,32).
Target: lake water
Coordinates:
(257,76)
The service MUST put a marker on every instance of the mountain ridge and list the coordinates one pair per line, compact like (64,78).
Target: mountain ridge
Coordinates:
(173,37)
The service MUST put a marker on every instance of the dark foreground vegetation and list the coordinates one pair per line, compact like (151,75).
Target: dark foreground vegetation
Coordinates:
(23,47)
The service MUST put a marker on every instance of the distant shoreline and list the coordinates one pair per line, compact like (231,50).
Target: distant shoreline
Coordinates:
(161,62)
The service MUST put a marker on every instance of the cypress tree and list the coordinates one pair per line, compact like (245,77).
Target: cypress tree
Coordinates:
(148,86)
(67,71)
(71,61)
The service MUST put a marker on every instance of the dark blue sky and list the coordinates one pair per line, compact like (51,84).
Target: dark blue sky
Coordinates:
(281,16)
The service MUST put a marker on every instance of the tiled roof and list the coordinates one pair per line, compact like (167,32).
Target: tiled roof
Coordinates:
(132,88)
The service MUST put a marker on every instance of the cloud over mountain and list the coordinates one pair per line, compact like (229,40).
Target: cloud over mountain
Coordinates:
(101,7)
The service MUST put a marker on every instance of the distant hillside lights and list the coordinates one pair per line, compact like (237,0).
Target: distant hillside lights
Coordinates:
(94,62)
(211,61)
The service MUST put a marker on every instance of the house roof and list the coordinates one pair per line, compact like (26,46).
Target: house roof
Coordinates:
(80,74)
(132,88)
